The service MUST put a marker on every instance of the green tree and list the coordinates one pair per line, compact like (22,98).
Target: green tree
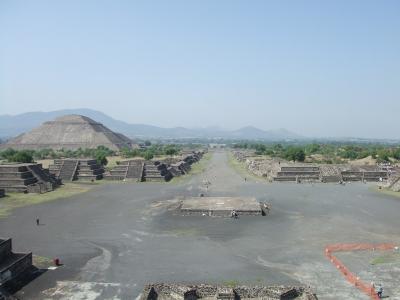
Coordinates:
(171,151)
(295,154)
(396,153)
(101,158)
(383,155)
(23,156)
(260,148)
(148,155)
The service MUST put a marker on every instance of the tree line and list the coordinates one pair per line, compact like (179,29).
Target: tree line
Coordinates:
(333,152)
(28,156)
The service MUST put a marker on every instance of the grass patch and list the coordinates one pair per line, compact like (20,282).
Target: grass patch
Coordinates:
(393,257)
(386,191)
(196,168)
(41,262)
(231,283)
(201,165)
(15,200)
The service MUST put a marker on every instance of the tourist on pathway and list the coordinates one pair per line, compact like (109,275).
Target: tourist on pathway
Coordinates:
(380,292)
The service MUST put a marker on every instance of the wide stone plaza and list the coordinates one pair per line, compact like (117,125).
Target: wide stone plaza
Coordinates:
(121,236)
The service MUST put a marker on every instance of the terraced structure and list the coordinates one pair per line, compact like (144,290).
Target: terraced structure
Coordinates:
(76,169)
(27,177)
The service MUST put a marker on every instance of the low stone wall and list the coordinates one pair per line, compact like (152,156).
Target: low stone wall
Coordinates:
(161,291)
(280,170)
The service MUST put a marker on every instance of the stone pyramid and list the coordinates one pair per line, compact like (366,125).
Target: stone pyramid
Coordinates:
(70,132)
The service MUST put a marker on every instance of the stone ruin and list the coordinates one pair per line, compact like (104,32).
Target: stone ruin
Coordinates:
(276,170)
(13,266)
(300,173)
(76,169)
(223,206)
(394,183)
(127,170)
(163,291)
(26,177)
(154,171)
(295,173)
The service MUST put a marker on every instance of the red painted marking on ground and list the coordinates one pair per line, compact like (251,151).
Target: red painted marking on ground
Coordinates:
(350,277)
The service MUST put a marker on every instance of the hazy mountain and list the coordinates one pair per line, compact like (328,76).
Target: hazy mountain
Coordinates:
(14,125)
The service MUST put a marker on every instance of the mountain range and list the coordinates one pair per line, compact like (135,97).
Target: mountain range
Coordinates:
(13,125)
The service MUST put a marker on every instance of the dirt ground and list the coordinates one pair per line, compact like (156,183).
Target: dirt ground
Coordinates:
(118,237)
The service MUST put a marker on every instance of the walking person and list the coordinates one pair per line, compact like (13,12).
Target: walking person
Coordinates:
(37,222)
(380,292)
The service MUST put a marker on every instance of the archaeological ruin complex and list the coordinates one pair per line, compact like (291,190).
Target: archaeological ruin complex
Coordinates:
(283,171)
(156,171)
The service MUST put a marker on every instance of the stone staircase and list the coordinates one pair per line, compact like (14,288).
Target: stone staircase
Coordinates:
(88,169)
(77,169)
(295,173)
(68,170)
(156,172)
(132,170)
(135,170)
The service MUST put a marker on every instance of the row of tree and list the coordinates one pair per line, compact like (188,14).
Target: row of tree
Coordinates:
(151,151)
(333,151)
(28,156)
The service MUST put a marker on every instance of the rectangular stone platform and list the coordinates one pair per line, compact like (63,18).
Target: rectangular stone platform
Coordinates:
(161,291)
(27,177)
(70,169)
(221,206)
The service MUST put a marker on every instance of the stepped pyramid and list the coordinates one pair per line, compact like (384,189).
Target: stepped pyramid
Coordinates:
(70,132)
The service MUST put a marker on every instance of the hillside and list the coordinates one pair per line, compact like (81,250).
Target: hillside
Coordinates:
(11,126)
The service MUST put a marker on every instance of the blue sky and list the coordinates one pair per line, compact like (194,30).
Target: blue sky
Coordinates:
(318,68)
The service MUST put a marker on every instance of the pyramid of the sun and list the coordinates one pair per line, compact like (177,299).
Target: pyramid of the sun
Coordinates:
(70,132)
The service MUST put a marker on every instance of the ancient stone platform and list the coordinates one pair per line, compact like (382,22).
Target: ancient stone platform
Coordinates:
(161,291)
(27,177)
(70,169)
(221,206)
(154,171)
(12,265)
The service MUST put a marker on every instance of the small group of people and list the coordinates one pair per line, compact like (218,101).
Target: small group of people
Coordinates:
(380,292)
(234,214)
(378,289)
